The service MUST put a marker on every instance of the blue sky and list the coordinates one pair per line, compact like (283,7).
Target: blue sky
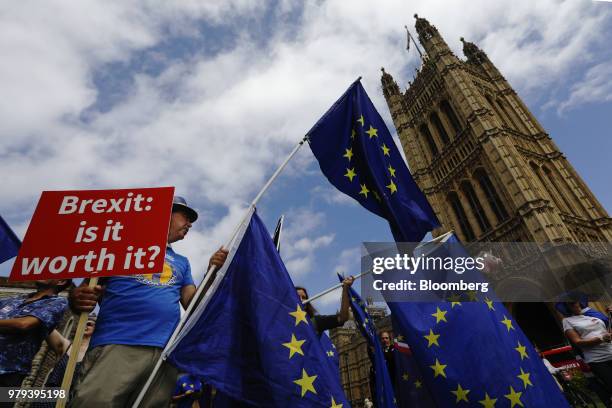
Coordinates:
(211,96)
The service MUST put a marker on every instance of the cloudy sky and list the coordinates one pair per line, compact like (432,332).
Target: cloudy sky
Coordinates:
(211,96)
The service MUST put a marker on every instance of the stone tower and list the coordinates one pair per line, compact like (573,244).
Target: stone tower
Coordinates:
(486,165)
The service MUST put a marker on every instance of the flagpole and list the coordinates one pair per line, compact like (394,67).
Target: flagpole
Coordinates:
(410,37)
(199,292)
(326,291)
(74,351)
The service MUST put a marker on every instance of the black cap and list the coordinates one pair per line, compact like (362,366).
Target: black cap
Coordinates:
(180,204)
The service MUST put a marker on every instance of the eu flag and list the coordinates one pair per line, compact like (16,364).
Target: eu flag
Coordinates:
(358,155)
(9,243)
(252,340)
(472,352)
(383,395)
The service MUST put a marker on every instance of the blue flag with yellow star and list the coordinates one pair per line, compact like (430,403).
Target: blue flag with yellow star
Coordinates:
(471,353)
(331,353)
(358,155)
(252,340)
(9,243)
(382,394)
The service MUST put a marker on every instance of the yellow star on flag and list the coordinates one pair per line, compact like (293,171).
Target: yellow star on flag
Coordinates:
(418,384)
(488,402)
(508,323)
(438,369)
(334,405)
(432,338)
(391,171)
(525,378)
(372,131)
(348,154)
(364,190)
(360,120)
(454,299)
(306,382)
(376,196)
(522,350)
(400,338)
(514,397)
(440,315)
(385,150)
(405,376)
(392,187)
(294,346)
(471,294)
(300,315)
(350,173)
(353,133)
(461,394)
(489,303)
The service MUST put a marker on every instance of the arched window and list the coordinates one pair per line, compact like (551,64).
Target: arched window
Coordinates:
(555,192)
(439,127)
(464,224)
(433,148)
(450,114)
(477,209)
(492,197)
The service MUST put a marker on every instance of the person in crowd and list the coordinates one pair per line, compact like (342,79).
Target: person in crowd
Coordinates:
(25,321)
(187,392)
(389,351)
(137,316)
(63,347)
(327,322)
(587,329)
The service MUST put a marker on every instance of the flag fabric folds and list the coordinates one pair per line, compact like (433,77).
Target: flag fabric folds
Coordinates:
(410,390)
(253,340)
(357,154)
(9,243)
(470,350)
(382,394)
(331,353)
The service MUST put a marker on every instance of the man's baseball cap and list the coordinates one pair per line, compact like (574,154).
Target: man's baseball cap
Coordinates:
(180,204)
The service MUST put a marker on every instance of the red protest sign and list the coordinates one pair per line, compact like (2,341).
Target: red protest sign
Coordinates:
(93,233)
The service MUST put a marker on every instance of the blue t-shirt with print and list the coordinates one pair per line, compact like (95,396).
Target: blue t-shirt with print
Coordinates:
(143,310)
(18,349)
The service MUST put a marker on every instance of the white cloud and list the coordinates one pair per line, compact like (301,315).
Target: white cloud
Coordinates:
(349,262)
(596,86)
(302,240)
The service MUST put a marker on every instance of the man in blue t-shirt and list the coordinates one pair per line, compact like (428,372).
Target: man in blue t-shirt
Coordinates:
(137,316)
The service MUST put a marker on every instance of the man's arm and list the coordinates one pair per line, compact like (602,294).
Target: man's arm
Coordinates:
(19,324)
(575,338)
(57,342)
(187,293)
(216,260)
(343,316)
